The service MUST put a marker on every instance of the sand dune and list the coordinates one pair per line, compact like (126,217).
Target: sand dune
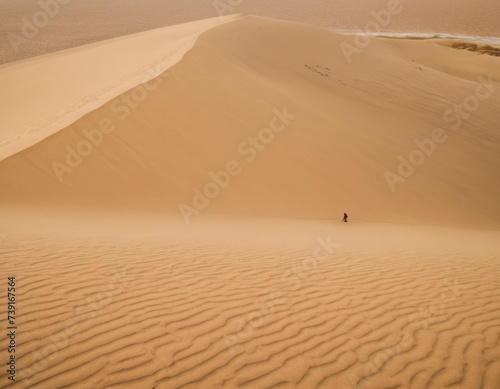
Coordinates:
(264,287)
(60,88)
(340,147)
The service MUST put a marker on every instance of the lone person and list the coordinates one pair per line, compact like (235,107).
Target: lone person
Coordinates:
(345,218)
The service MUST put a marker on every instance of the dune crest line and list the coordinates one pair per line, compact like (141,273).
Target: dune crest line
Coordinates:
(105,70)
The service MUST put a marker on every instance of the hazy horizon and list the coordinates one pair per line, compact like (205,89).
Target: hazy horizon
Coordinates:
(77,22)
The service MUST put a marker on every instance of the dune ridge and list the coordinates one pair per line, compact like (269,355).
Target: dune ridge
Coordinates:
(104,19)
(157,153)
(57,89)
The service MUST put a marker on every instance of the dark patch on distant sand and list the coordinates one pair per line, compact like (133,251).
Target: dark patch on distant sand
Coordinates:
(481,49)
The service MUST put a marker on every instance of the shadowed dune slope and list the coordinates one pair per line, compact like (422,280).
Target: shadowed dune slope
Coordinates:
(348,125)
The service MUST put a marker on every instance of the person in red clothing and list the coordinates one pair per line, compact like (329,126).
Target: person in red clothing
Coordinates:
(345,218)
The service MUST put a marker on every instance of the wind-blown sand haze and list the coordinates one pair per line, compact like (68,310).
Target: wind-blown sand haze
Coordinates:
(132,274)
(79,22)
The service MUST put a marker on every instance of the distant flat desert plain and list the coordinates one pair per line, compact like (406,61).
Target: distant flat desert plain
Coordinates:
(78,22)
